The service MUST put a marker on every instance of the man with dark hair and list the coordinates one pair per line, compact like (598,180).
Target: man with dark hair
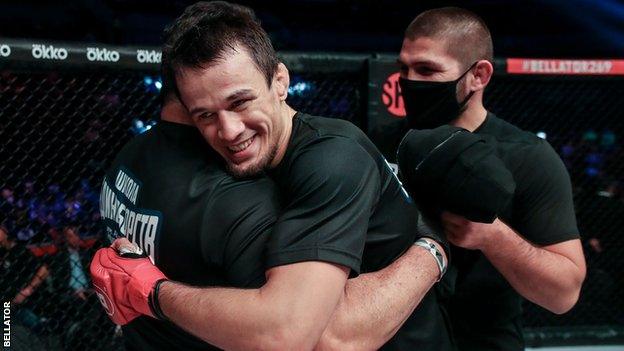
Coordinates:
(341,192)
(532,249)
(344,212)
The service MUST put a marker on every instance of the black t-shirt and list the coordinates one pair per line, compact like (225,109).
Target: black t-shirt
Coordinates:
(167,192)
(345,206)
(485,310)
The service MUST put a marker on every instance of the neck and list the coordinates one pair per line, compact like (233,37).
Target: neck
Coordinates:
(288,114)
(472,117)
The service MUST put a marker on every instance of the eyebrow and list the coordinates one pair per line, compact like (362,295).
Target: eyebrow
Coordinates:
(238,94)
(196,110)
(235,95)
(431,63)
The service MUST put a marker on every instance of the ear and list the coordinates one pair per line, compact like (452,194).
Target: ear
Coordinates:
(482,72)
(281,81)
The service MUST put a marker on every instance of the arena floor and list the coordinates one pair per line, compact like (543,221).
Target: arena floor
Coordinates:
(579,348)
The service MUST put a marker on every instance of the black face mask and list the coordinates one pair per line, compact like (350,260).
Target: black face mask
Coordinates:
(432,104)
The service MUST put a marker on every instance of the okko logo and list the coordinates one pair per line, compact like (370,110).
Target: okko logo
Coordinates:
(48,52)
(5,50)
(102,54)
(148,56)
(391,96)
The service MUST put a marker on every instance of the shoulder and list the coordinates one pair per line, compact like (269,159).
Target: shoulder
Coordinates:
(325,152)
(329,126)
(542,152)
(230,193)
(235,211)
(134,150)
(139,142)
(508,134)
(230,197)
(335,142)
(333,156)
(517,147)
(542,165)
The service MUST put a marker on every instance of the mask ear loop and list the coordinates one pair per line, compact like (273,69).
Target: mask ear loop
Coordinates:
(465,101)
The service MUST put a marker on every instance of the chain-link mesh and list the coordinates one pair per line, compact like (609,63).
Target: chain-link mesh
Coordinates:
(60,129)
(339,95)
(581,118)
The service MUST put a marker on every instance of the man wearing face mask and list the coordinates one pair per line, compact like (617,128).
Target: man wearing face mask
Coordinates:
(532,249)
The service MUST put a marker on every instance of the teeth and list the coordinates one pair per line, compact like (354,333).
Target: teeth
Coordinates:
(242,146)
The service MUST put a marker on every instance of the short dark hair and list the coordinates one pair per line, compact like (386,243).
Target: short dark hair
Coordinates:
(207,30)
(466,35)
(168,89)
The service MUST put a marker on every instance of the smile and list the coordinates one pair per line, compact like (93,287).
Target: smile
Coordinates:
(242,146)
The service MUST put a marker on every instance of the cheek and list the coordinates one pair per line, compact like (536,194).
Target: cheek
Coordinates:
(209,132)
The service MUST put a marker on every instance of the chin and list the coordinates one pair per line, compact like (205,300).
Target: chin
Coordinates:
(253,167)
(244,171)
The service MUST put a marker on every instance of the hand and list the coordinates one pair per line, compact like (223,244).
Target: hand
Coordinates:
(464,233)
(124,285)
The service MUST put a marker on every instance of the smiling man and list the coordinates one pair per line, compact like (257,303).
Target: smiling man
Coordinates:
(239,109)
(345,211)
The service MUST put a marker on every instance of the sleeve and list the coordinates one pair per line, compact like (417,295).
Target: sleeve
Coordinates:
(236,227)
(544,204)
(332,186)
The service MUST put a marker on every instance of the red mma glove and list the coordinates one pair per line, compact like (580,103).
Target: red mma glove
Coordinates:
(125,285)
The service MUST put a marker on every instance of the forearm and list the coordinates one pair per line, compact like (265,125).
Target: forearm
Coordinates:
(289,312)
(227,318)
(375,305)
(546,278)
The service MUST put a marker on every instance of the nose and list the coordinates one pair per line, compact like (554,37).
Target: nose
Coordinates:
(230,127)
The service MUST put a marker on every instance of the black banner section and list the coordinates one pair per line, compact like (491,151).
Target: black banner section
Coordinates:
(60,54)
(72,54)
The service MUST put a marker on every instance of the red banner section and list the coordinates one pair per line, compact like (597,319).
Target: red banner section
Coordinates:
(565,67)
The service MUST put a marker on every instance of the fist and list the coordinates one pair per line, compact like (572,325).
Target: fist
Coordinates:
(470,235)
(124,284)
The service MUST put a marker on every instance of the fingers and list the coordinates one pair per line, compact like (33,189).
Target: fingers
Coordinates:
(124,246)
(450,228)
(453,238)
(103,263)
(96,267)
(453,218)
(121,242)
(453,226)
